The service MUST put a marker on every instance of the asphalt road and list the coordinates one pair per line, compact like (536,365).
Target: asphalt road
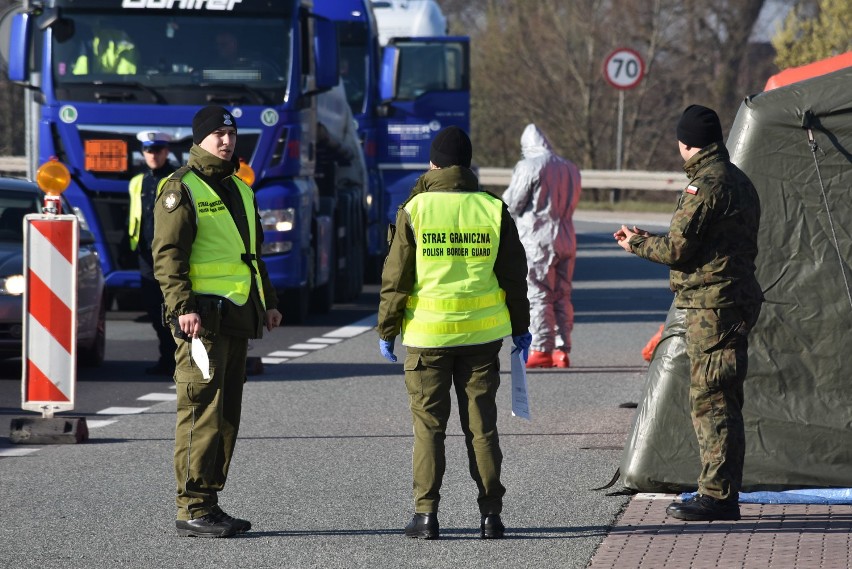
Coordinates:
(323,465)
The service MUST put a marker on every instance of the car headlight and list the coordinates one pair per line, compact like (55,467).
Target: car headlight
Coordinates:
(13,285)
(278,219)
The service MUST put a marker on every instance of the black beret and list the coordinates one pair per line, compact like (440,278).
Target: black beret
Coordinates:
(699,127)
(209,119)
(451,147)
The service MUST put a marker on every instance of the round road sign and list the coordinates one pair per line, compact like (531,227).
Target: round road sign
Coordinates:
(624,68)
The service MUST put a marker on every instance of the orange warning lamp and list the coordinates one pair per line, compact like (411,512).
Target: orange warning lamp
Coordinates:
(53,177)
(246,173)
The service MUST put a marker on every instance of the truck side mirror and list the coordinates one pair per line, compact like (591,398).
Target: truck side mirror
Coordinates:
(15,45)
(387,75)
(327,56)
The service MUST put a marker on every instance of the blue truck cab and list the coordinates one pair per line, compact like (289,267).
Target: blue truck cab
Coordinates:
(405,80)
(98,72)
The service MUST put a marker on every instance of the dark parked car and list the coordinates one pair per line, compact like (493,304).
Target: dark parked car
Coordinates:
(17,199)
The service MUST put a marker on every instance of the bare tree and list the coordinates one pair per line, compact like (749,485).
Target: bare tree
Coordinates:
(542,62)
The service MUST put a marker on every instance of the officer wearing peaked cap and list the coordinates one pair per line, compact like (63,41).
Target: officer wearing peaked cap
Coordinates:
(143,190)
(207,243)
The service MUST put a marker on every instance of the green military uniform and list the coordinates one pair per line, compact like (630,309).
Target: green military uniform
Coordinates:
(208,410)
(454,338)
(711,247)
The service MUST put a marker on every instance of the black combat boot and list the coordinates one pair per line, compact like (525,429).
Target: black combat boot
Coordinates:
(423,526)
(704,509)
(240,525)
(210,525)
(491,527)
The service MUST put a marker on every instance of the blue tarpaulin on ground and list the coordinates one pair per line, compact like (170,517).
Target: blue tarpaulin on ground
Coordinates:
(824,496)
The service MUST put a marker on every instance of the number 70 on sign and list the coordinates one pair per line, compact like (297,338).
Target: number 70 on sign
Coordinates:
(624,68)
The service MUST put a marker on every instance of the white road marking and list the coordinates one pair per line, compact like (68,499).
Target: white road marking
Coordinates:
(286,354)
(273,361)
(98,423)
(122,410)
(17,451)
(325,340)
(158,397)
(307,346)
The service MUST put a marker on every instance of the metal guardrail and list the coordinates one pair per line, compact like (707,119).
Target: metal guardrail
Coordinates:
(606,179)
(13,165)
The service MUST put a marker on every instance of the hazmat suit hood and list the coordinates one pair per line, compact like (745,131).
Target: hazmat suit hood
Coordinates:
(534,143)
(542,196)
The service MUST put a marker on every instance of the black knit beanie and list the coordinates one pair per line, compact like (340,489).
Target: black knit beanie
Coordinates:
(699,127)
(209,119)
(451,147)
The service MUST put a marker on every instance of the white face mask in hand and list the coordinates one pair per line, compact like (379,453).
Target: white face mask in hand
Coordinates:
(199,355)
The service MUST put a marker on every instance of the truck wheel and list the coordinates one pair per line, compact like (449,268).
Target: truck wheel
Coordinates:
(294,304)
(322,297)
(351,243)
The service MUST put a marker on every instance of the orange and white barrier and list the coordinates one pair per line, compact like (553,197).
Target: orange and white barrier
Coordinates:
(51,243)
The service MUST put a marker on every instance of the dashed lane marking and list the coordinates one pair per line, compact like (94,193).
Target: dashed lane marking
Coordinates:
(286,354)
(158,397)
(98,423)
(122,410)
(325,340)
(333,337)
(9,452)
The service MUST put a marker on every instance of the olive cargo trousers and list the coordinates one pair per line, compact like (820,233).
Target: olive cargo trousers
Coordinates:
(475,373)
(717,345)
(208,420)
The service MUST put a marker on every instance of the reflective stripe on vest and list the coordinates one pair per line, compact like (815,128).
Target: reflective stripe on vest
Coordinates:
(456,300)
(216,263)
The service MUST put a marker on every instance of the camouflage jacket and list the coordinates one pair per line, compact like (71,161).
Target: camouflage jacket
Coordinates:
(712,240)
(400,273)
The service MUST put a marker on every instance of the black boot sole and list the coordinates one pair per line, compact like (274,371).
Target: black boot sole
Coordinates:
(193,533)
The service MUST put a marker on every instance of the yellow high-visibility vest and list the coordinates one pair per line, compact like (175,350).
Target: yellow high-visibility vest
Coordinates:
(219,263)
(456,299)
(134,222)
(112,51)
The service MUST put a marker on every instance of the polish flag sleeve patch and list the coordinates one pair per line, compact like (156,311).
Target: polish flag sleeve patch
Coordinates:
(690,189)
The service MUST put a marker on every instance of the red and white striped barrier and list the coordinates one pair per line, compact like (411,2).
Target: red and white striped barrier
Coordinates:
(51,243)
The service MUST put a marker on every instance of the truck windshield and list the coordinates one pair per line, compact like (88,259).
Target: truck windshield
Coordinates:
(425,67)
(176,59)
(354,46)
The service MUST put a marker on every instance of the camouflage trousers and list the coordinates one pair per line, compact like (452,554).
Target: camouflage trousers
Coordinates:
(717,345)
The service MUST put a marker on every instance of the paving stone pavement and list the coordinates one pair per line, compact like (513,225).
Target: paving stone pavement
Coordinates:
(776,536)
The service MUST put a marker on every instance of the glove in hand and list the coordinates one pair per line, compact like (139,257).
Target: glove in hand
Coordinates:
(386,348)
(523,343)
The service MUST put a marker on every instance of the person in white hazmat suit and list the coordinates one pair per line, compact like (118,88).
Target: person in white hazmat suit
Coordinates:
(542,196)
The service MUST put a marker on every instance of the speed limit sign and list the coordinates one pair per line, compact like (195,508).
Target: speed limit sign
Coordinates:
(624,68)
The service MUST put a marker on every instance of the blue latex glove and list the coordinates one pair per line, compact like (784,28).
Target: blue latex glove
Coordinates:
(523,343)
(386,348)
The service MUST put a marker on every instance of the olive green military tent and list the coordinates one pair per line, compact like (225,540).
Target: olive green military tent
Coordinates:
(795,143)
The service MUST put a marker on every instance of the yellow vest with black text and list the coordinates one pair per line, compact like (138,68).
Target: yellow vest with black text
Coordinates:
(134,223)
(456,299)
(216,264)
